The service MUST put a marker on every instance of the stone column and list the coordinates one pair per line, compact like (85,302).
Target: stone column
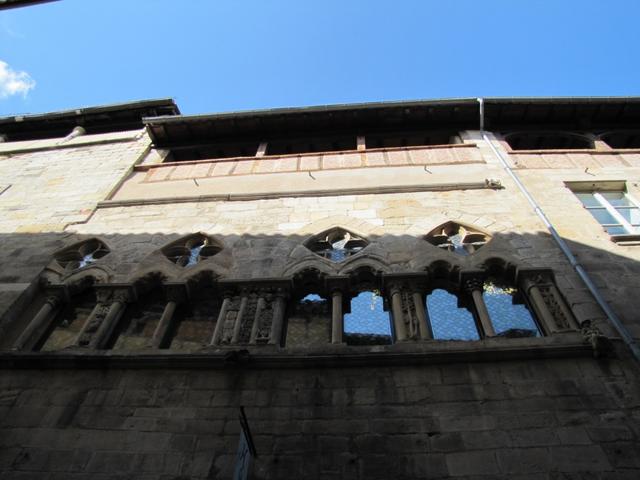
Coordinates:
(278,318)
(476,286)
(337,321)
(175,296)
(423,322)
(222,318)
(238,324)
(256,320)
(398,314)
(116,309)
(43,316)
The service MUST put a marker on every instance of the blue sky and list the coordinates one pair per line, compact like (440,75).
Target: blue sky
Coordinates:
(222,55)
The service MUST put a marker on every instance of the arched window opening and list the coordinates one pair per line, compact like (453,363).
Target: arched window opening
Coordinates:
(82,254)
(336,244)
(449,320)
(309,322)
(509,313)
(138,323)
(547,141)
(68,323)
(195,321)
(457,238)
(368,323)
(191,250)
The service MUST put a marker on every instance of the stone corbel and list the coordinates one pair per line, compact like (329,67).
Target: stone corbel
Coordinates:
(601,345)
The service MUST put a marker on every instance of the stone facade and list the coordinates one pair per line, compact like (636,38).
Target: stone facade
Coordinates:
(144,301)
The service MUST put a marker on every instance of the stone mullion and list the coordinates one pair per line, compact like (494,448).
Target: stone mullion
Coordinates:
(164,324)
(237,326)
(256,320)
(540,306)
(337,321)
(175,296)
(424,326)
(84,336)
(116,309)
(44,315)
(222,318)
(398,314)
(476,286)
(278,318)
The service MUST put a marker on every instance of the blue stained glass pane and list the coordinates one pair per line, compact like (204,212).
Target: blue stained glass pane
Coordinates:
(507,316)
(449,322)
(367,316)
(312,297)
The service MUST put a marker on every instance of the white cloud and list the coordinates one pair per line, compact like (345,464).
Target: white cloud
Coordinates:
(14,82)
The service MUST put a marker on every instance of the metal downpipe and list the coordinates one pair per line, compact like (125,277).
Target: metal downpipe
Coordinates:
(611,315)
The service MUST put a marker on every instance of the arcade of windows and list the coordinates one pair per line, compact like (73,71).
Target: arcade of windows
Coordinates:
(310,309)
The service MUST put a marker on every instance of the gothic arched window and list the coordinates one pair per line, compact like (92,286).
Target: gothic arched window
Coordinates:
(336,244)
(81,254)
(457,238)
(192,249)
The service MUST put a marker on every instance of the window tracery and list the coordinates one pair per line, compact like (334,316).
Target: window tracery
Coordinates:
(336,244)
(457,238)
(81,254)
(190,250)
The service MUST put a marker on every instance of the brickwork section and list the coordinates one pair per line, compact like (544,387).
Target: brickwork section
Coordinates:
(484,421)
(452,155)
(575,160)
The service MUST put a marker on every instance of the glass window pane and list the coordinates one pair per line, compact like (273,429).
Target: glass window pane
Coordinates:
(507,317)
(603,217)
(368,323)
(588,200)
(617,199)
(617,230)
(631,215)
(449,322)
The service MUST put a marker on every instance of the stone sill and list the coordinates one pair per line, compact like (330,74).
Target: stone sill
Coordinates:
(562,345)
(239,197)
(144,168)
(590,151)
(628,239)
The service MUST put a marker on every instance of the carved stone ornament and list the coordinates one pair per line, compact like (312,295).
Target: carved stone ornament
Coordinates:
(601,345)
(410,315)
(98,315)
(230,320)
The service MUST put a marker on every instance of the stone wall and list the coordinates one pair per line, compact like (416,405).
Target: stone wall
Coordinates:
(538,419)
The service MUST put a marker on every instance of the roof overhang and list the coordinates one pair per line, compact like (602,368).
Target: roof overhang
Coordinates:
(5,4)
(101,119)
(575,113)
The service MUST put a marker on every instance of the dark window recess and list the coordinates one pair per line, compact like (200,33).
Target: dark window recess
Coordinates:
(623,139)
(547,141)
(449,319)
(213,151)
(195,321)
(138,323)
(309,322)
(509,313)
(411,139)
(311,144)
(67,325)
(368,323)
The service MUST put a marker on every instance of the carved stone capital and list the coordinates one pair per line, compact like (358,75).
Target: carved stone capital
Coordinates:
(104,295)
(601,345)
(55,300)
(121,295)
(474,284)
